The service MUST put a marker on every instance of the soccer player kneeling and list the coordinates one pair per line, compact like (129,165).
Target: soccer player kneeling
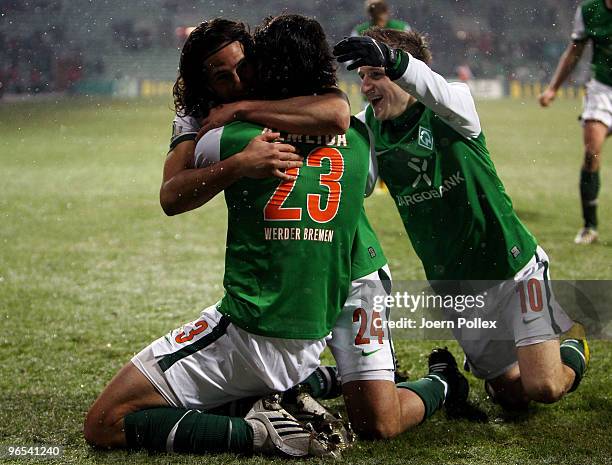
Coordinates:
(432,155)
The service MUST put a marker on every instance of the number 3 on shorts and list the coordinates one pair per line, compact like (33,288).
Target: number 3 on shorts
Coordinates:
(200,326)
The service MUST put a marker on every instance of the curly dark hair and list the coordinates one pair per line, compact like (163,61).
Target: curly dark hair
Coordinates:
(293,57)
(412,42)
(191,94)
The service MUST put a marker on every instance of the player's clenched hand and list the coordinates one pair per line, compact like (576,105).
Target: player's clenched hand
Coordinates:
(219,116)
(365,51)
(547,97)
(263,158)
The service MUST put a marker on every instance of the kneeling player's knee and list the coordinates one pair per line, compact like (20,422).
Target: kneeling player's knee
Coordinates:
(508,393)
(91,430)
(378,430)
(545,391)
(100,428)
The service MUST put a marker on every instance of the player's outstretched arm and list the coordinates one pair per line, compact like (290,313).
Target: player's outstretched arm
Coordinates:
(324,114)
(186,187)
(566,65)
(451,102)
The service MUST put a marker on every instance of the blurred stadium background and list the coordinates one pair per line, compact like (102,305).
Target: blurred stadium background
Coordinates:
(129,49)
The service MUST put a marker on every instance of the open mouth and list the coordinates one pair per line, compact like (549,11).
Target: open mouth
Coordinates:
(377,104)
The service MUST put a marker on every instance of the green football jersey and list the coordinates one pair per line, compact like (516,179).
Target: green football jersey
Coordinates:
(594,22)
(367,256)
(453,205)
(289,244)
(392,24)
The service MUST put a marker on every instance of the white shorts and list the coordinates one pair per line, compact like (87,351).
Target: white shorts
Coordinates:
(527,313)
(209,362)
(598,104)
(360,342)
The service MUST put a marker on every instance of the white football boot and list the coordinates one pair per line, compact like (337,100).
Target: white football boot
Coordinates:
(309,411)
(586,236)
(276,431)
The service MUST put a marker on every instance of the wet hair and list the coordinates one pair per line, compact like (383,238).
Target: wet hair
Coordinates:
(293,57)
(412,42)
(191,94)
(376,7)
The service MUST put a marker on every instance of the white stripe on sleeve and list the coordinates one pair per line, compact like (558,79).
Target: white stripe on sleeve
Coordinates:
(579,31)
(208,149)
(453,102)
(373,171)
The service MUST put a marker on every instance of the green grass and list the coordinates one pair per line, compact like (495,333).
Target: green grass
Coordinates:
(91,271)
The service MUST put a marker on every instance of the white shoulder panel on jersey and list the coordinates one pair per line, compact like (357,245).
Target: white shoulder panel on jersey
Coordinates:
(373,170)
(579,31)
(208,149)
(183,128)
(453,102)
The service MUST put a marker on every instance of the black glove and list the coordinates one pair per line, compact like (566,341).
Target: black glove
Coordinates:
(365,51)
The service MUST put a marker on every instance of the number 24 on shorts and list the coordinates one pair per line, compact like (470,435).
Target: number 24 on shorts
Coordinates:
(376,328)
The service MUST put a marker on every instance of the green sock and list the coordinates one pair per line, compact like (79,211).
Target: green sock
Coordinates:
(589,189)
(431,389)
(324,383)
(168,429)
(572,355)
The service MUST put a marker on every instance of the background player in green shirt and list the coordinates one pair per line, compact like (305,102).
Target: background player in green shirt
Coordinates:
(378,12)
(432,155)
(593,22)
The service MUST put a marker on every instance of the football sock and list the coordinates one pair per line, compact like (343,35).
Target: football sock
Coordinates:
(572,355)
(589,189)
(431,389)
(324,383)
(168,429)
